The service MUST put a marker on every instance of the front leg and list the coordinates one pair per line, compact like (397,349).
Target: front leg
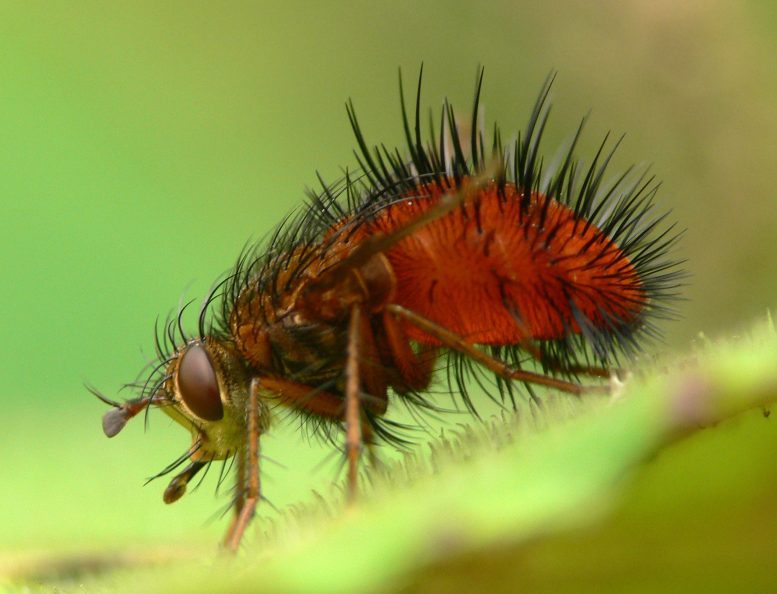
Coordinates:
(239,498)
(246,502)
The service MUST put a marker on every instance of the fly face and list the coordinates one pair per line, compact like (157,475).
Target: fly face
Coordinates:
(206,391)
(204,387)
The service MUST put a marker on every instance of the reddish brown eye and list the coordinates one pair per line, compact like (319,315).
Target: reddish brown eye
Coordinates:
(198,386)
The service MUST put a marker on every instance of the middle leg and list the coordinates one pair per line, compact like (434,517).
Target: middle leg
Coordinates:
(353,421)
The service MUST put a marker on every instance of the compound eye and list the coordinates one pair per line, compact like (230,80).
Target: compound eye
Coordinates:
(198,386)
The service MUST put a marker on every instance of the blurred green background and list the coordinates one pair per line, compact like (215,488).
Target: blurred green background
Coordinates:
(142,144)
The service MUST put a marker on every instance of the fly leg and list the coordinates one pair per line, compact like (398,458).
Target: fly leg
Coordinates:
(415,369)
(502,369)
(527,345)
(331,406)
(245,511)
(240,497)
(353,424)
(589,370)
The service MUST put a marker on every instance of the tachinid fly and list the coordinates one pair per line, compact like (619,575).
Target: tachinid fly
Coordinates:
(453,257)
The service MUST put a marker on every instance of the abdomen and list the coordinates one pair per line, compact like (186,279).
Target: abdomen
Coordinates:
(498,275)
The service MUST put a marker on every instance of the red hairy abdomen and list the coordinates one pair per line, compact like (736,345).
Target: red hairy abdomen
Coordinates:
(496,276)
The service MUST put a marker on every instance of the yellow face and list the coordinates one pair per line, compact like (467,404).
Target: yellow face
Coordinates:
(206,391)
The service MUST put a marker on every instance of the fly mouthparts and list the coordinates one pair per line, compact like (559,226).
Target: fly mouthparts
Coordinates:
(177,487)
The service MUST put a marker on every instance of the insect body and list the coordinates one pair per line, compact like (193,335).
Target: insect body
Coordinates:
(446,255)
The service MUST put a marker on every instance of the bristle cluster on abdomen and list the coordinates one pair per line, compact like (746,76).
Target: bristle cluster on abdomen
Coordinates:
(498,272)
